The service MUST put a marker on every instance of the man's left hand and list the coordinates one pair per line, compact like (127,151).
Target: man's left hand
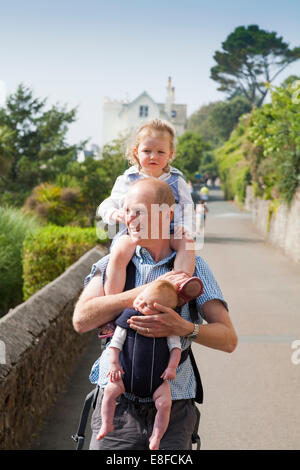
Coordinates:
(163,324)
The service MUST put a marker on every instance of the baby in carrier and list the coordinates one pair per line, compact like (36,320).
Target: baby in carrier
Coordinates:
(143,365)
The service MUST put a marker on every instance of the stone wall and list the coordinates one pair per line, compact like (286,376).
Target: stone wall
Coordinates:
(279,224)
(39,351)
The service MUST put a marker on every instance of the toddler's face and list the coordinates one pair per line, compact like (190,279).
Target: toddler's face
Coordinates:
(154,153)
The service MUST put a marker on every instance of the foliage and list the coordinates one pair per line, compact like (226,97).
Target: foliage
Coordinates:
(48,252)
(189,154)
(234,169)
(14,225)
(275,129)
(216,121)
(96,178)
(55,205)
(36,143)
(265,149)
(250,58)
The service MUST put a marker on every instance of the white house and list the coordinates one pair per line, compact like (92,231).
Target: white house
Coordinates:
(120,118)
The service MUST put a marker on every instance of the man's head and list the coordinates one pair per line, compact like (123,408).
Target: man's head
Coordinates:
(163,292)
(149,209)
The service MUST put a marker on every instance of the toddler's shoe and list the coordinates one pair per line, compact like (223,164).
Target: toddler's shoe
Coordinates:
(189,290)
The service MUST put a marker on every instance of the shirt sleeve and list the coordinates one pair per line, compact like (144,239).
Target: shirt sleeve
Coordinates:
(173,342)
(211,288)
(115,200)
(118,338)
(97,269)
(187,213)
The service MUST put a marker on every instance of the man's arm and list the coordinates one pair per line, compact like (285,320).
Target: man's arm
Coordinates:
(94,309)
(218,333)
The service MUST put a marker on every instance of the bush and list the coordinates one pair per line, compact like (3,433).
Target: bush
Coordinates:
(234,169)
(14,225)
(48,252)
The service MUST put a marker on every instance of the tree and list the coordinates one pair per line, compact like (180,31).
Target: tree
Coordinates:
(216,121)
(251,57)
(38,150)
(189,153)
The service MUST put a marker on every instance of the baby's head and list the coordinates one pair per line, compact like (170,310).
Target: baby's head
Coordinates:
(157,128)
(163,292)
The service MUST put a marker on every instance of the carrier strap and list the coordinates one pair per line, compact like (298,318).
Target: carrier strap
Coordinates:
(79,436)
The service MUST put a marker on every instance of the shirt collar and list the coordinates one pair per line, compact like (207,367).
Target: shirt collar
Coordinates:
(143,256)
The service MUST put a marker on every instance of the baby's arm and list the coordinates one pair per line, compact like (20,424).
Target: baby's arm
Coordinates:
(116,345)
(175,355)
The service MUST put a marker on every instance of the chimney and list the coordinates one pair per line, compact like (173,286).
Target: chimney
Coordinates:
(170,98)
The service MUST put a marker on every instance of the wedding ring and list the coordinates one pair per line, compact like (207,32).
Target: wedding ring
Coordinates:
(148,331)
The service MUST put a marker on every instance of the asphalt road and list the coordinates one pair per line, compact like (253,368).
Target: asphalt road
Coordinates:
(251,397)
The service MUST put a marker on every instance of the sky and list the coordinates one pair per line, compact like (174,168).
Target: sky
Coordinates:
(75,53)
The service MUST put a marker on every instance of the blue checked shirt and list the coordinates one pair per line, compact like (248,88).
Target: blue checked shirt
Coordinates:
(184,385)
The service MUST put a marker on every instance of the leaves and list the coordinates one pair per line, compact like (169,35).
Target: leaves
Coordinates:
(251,58)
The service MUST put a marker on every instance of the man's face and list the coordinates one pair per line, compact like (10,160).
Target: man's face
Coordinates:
(142,218)
(137,214)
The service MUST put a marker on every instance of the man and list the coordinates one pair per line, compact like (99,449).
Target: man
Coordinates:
(134,419)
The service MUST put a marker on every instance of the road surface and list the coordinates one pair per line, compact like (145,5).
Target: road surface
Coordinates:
(251,397)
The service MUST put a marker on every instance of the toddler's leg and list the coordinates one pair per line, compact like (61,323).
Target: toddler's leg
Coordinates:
(185,257)
(121,254)
(111,393)
(163,403)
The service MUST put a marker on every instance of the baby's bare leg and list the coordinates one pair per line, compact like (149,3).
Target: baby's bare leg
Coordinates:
(121,254)
(108,407)
(163,403)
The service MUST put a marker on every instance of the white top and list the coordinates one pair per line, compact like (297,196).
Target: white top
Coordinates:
(120,334)
(183,217)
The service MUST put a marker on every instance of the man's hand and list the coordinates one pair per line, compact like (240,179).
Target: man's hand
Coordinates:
(163,324)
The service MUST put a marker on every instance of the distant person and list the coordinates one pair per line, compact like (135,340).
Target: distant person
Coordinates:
(204,192)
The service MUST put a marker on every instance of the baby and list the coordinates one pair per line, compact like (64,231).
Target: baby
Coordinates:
(149,374)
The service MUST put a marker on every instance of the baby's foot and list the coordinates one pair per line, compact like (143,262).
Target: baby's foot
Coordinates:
(154,442)
(104,430)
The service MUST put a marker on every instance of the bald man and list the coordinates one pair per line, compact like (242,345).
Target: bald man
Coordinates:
(134,418)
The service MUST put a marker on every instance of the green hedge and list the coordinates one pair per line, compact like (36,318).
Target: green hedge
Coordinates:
(14,225)
(48,252)
(233,167)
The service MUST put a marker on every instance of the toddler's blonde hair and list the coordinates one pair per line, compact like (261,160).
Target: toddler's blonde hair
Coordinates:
(154,125)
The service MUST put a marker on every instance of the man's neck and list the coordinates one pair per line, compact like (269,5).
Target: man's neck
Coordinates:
(158,249)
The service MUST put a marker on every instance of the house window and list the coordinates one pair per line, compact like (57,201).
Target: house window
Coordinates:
(144,111)
(173,113)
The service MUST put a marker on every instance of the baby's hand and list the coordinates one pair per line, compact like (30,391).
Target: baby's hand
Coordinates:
(141,304)
(115,372)
(169,373)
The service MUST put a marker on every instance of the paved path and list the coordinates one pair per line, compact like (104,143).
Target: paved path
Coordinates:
(251,396)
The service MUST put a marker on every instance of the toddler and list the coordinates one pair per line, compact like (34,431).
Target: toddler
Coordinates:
(147,371)
(151,154)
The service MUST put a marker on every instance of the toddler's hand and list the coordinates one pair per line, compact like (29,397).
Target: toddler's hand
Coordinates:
(141,304)
(118,215)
